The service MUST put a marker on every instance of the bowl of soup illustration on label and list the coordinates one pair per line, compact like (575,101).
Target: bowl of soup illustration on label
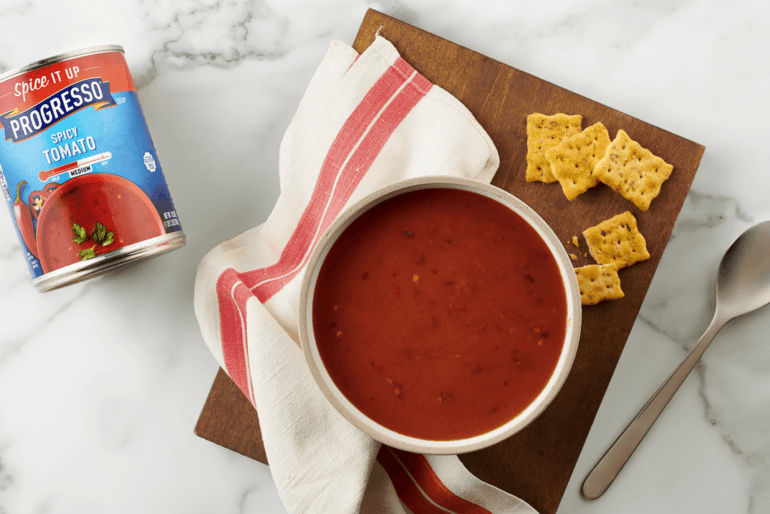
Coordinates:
(111,212)
(439,315)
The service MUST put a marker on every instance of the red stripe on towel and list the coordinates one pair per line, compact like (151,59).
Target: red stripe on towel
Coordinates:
(366,128)
(350,156)
(422,472)
(233,295)
(349,136)
(419,81)
(355,170)
(405,487)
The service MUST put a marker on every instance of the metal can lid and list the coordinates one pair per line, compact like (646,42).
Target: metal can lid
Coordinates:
(61,57)
(91,268)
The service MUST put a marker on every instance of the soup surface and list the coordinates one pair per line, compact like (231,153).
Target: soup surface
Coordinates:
(440,314)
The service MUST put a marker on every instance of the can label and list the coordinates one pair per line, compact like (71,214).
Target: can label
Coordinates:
(78,168)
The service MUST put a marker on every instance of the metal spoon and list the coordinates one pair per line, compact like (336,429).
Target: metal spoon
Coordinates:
(743,285)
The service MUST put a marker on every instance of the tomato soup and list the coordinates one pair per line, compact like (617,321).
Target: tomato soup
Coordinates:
(440,314)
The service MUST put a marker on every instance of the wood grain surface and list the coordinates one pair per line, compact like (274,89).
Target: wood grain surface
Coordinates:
(536,463)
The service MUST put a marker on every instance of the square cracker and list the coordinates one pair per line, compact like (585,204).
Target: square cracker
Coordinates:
(545,132)
(573,160)
(633,171)
(598,282)
(617,241)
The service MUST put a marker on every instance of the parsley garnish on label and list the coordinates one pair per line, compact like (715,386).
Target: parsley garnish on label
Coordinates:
(80,234)
(100,235)
(88,253)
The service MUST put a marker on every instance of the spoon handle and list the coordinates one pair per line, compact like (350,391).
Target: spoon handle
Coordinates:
(608,467)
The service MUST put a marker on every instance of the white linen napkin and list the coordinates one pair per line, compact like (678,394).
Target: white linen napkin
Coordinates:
(365,121)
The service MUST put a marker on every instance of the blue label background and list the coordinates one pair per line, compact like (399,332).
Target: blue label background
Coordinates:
(120,130)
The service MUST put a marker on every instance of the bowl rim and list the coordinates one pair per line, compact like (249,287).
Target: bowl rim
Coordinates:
(367,425)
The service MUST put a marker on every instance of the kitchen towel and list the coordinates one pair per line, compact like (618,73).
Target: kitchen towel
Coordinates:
(364,122)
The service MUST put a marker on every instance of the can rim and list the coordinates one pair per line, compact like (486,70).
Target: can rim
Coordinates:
(80,271)
(59,58)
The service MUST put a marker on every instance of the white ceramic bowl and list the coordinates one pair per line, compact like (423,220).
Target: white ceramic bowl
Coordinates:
(377,431)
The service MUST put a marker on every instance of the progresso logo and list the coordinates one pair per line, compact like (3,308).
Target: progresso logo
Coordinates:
(19,126)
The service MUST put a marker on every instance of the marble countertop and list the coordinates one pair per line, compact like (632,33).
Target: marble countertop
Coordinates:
(101,383)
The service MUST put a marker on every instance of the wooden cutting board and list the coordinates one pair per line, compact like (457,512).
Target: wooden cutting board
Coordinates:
(536,463)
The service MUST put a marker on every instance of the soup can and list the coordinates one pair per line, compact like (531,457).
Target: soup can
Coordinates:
(78,168)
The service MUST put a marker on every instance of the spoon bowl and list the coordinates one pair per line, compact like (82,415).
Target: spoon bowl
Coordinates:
(743,282)
(743,285)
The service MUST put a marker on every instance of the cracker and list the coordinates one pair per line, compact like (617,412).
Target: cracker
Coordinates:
(575,241)
(617,241)
(633,171)
(545,132)
(598,282)
(573,160)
